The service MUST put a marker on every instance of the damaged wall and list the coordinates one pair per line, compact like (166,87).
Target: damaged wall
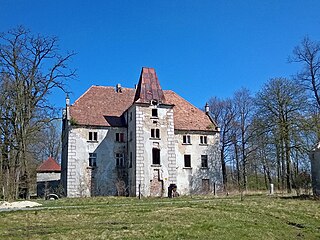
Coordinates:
(84,180)
(194,179)
(152,176)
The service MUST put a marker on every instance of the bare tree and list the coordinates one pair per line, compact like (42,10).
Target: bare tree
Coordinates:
(30,68)
(308,54)
(223,112)
(244,110)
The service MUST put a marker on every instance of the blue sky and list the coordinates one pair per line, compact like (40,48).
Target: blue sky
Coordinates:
(199,48)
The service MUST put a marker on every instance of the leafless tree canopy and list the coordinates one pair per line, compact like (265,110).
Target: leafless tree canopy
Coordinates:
(308,55)
(30,68)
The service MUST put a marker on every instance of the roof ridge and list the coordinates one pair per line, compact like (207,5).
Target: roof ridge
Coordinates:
(97,86)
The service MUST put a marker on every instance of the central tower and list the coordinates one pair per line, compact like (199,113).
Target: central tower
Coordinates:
(153,145)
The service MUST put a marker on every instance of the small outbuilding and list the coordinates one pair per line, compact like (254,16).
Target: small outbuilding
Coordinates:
(48,177)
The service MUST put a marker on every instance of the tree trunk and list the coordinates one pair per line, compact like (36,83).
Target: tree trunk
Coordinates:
(224,170)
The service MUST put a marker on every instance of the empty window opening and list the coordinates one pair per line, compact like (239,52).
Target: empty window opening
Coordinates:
(187,161)
(155,133)
(186,139)
(92,159)
(93,136)
(156,156)
(204,161)
(120,159)
(203,140)
(154,112)
(120,137)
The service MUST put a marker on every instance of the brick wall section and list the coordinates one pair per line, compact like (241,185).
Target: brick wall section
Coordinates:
(139,151)
(72,190)
(172,164)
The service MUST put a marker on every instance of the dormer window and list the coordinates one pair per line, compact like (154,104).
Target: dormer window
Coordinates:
(154,112)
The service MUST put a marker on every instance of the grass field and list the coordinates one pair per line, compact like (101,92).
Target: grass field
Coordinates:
(256,217)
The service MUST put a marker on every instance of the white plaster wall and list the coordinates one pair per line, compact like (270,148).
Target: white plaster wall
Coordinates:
(189,180)
(132,148)
(45,177)
(144,168)
(84,180)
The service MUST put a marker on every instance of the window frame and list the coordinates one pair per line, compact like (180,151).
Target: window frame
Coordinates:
(204,161)
(154,113)
(120,137)
(186,139)
(187,160)
(155,133)
(92,160)
(203,140)
(93,136)
(156,156)
(119,160)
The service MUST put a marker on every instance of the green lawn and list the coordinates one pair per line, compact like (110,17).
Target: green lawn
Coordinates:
(257,217)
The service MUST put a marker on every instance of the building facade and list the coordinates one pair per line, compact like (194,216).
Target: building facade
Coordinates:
(138,141)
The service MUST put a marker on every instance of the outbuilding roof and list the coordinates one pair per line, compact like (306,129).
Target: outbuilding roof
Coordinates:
(50,165)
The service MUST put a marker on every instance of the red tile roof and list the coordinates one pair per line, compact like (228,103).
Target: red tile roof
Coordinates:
(50,165)
(186,116)
(104,106)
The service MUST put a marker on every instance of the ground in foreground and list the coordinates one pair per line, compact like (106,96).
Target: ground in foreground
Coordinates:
(256,217)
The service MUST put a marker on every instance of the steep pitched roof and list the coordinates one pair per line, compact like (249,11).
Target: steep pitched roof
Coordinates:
(186,116)
(50,165)
(149,87)
(104,106)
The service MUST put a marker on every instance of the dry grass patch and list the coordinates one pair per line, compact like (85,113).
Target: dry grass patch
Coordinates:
(257,217)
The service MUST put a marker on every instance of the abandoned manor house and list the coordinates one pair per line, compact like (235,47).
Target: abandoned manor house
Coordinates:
(141,141)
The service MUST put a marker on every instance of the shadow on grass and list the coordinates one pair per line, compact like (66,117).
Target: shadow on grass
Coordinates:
(300,197)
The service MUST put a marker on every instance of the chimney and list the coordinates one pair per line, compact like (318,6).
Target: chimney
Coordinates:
(118,88)
(67,110)
(207,108)
(67,100)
